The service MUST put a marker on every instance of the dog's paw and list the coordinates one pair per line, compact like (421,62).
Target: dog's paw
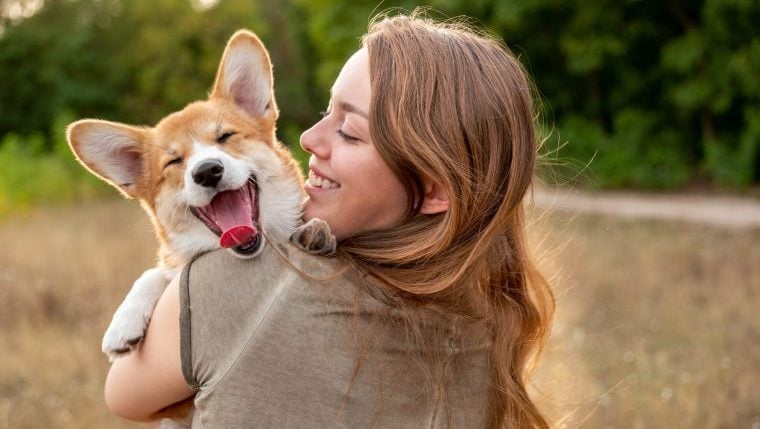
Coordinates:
(315,237)
(126,331)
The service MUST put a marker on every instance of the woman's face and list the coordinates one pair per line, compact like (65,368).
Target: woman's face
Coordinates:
(350,186)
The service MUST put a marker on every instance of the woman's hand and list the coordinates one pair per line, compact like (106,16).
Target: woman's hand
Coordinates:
(150,378)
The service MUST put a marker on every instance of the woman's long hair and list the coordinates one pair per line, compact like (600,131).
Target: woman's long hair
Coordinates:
(455,107)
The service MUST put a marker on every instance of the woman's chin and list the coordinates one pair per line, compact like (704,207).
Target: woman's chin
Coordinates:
(311,210)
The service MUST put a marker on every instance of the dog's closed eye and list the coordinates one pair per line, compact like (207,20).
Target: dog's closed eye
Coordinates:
(173,162)
(222,139)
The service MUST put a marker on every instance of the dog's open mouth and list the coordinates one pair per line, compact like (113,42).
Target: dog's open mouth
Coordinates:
(234,217)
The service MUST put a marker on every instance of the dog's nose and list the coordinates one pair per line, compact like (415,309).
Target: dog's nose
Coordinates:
(208,173)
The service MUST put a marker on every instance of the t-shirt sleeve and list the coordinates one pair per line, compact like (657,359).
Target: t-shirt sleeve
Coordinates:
(221,309)
(185,340)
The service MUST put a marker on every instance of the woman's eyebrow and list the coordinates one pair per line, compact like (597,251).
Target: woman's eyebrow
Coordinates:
(350,108)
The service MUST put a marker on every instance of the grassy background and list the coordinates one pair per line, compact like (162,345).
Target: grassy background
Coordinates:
(656,327)
(62,274)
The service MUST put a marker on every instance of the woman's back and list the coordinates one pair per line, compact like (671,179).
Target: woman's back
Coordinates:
(282,351)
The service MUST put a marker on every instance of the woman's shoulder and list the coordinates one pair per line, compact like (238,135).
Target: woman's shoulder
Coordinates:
(282,271)
(274,260)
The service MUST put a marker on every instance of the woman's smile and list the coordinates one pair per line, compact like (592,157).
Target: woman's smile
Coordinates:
(317,180)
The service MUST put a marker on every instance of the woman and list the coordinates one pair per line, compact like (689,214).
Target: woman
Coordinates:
(429,148)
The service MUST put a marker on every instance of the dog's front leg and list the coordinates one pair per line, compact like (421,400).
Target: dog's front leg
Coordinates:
(128,325)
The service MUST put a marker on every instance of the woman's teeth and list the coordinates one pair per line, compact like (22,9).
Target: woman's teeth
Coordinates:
(320,182)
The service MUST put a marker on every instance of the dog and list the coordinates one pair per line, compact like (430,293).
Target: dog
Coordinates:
(211,175)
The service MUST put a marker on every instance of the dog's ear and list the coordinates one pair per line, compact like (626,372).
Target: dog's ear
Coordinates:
(245,76)
(110,150)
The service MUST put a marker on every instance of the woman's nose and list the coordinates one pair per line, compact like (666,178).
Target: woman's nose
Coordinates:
(314,142)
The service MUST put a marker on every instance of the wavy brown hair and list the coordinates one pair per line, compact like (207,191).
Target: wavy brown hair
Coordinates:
(454,106)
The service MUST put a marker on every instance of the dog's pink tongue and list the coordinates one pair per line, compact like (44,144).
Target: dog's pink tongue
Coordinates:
(234,217)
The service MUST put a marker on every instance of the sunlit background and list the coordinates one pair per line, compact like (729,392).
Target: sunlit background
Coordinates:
(655,101)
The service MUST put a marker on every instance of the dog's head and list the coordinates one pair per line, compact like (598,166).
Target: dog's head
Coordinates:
(212,174)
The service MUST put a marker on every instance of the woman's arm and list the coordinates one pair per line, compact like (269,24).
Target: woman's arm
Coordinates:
(150,378)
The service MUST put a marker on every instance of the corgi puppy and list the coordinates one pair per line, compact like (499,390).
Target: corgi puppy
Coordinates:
(211,175)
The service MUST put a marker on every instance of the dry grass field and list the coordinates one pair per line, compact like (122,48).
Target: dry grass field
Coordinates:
(657,323)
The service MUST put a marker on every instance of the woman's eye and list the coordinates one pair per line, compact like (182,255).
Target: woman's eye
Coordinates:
(173,162)
(225,136)
(324,113)
(346,137)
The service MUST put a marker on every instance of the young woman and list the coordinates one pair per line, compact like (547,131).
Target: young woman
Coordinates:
(424,157)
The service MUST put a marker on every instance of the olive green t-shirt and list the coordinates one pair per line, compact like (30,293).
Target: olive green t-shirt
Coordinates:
(266,347)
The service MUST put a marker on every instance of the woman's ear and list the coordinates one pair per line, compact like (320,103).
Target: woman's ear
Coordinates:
(435,200)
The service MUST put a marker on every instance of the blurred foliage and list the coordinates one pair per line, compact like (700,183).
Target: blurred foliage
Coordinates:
(648,94)
(34,170)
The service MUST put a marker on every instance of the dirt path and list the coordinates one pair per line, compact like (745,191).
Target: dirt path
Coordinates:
(720,211)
